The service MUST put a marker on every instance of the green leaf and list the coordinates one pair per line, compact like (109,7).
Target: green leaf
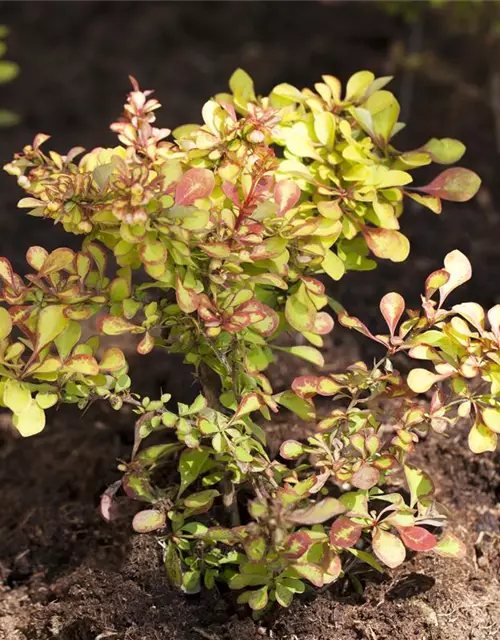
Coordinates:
(388,548)
(300,407)
(5,323)
(419,483)
(310,572)
(481,438)
(333,265)
(16,396)
(366,557)
(241,84)
(284,595)
(258,598)
(451,547)
(291,449)
(191,582)
(115,326)
(300,312)
(190,465)
(444,150)
(30,421)
(148,521)
(84,364)
(309,354)
(201,499)
(358,84)
(8,71)
(324,128)
(173,565)
(51,323)
(318,512)
(46,400)
(112,360)
(68,339)
(255,548)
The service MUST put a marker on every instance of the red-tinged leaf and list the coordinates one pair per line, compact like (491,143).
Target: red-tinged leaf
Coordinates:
(7,273)
(59,259)
(187,298)
(449,546)
(291,449)
(268,325)
(351,322)
(36,256)
(333,566)
(262,318)
(255,310)
(99,256)
(296,545)
(148,521)
(84,364)
(153,253)
(417,538)
(305,386)
(456,184)
(392,307)
(286,195)
(318,512)
(435,281)
(310,572)
(258,598)
(460,270)
(344,532)
(107,501)
(216,249)
(251,402)
(323,323)
(146,345)
(82,265)
(314,286)
(112,360)
(387,243)
(231,191)
(115,326)
(194,184)
(388,548)
(365,477)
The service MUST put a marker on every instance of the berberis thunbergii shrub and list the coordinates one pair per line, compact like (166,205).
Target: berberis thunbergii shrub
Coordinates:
(232,223)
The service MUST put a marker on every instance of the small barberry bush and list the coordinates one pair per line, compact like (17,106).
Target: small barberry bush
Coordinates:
(232,222)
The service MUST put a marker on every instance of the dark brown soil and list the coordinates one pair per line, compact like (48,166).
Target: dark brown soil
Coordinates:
(67,575)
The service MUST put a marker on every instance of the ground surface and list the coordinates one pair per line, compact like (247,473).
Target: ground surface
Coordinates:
(64,573)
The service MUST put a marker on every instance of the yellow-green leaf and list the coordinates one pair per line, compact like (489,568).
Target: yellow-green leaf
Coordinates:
(5,323)
(31,421)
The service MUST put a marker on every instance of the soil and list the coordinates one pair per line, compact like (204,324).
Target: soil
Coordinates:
(67,575)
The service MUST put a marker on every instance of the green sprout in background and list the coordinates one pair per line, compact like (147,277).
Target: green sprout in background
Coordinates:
(8,72)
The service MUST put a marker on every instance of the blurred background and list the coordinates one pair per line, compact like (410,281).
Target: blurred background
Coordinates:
(75,57)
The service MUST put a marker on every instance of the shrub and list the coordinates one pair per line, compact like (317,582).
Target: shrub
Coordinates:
(232,222)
